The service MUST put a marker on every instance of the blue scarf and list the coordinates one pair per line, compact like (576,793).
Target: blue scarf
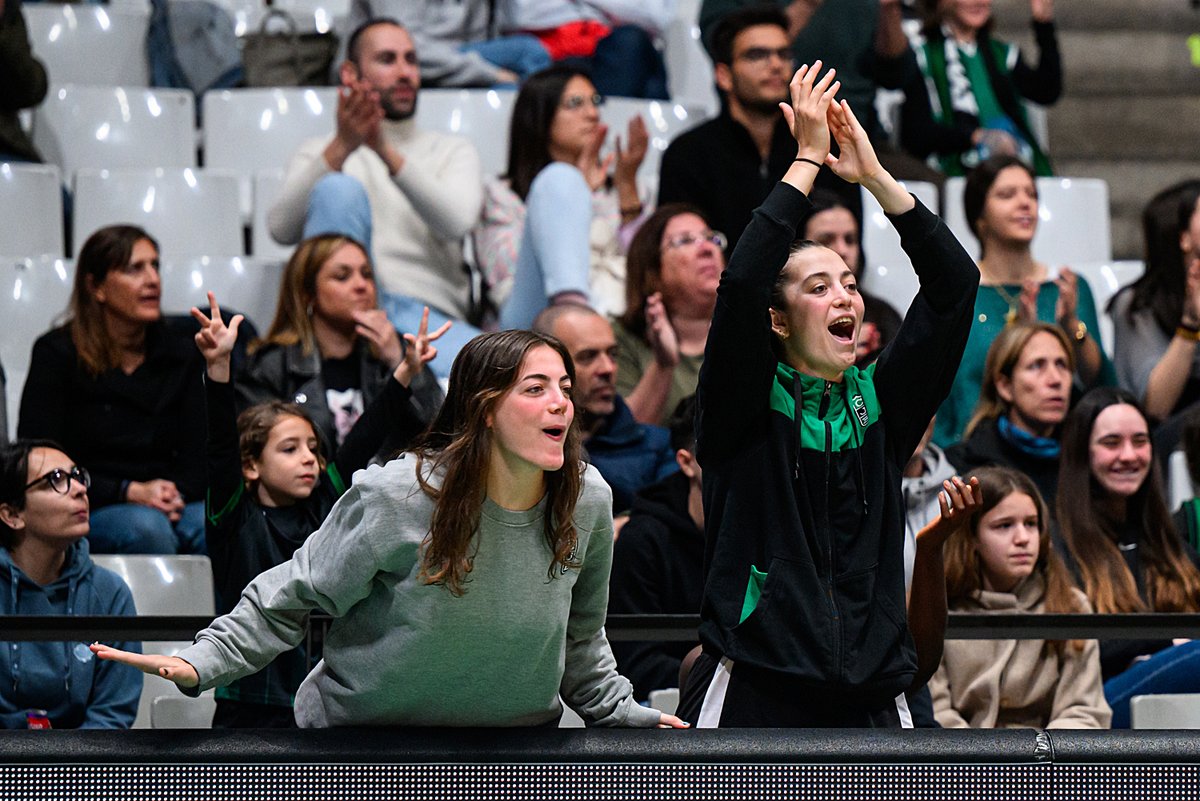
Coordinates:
(1038,447)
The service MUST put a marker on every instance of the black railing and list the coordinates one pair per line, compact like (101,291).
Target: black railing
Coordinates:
(627,628)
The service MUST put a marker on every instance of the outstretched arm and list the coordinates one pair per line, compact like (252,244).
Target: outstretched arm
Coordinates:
(927,603)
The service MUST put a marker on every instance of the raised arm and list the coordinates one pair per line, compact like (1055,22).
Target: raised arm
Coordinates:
(739,361)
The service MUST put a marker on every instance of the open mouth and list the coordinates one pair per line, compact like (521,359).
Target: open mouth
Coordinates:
(843,329)
(554,432)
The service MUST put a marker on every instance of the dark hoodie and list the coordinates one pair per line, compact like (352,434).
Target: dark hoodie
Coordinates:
(803,507)
(658,569)
(77,690)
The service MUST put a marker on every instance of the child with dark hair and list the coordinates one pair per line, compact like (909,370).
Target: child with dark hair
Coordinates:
(269,487)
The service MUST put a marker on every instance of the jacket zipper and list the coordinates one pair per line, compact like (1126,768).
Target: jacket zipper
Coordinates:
(829,538)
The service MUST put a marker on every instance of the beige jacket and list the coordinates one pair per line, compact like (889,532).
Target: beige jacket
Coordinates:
(985,684)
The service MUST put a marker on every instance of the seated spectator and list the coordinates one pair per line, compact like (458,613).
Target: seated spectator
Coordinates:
(330,349)
(863,40)
(1025,396)
(1001,204)
(1187,516)
(675,264)
(834,225)
(119,385)
(45,570)
(1003,562)
(1121,546)
(629,455)
(269,487)
(24,80)
(920,483)
(727,165)
(457,42)
(554,228)
(1157,319)
(611,39)
(409,196)
(658,561)
(970,104)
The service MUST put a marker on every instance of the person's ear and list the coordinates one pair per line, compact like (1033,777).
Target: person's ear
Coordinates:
(11,517)
(94,289)
(1186,245)
(687,463)
(1004,388)
(250,471)
(348,72)
(723,76)
(779,323)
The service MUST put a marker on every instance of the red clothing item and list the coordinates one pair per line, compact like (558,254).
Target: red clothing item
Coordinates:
(574,40)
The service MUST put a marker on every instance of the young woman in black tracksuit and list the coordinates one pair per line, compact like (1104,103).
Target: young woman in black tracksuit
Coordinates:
(803,619)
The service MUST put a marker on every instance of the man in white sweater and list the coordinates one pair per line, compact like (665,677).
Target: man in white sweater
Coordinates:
(409,196)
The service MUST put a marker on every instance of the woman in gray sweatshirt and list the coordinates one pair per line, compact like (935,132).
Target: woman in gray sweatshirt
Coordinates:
(468,579)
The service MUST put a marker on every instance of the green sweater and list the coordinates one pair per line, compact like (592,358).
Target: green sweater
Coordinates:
(402,652)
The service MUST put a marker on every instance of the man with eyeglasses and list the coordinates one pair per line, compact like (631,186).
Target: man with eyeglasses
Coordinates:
(727,165)
(629,455)
(409,196)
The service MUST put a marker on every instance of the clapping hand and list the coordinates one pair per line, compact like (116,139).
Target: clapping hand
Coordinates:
(807,115)
(958,501)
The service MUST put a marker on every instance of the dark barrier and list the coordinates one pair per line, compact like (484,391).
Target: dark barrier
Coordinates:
(598,764)
(625,628)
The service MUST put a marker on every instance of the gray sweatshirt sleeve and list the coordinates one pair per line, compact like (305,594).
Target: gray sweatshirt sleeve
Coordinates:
(332,571)
(1138,347)
(591,684)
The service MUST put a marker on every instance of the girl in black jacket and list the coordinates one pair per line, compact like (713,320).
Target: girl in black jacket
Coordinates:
(803,619)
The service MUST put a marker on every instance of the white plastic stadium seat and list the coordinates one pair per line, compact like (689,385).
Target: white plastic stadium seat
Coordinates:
(1165,711)
(664,121)
(92,45)
(246,285)
(164,585)
(31,213)
(267,185)
(689,69)
(1073,220)
(115,128)
(482,115)
(1105,279)
(888,273)
(247,130)
(190,212)
(33,295)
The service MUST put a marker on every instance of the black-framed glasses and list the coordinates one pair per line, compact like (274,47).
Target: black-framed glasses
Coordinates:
(60,480)
(688,239)
(760,55)
(576,102)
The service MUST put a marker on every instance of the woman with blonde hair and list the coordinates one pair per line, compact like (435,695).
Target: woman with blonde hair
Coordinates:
(1025,395)
(330,349)
(1002,561)
(468,580)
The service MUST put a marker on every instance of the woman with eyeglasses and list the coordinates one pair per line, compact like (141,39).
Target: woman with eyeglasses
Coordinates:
(45,570)
(120,386)
(555,226)
(674,265)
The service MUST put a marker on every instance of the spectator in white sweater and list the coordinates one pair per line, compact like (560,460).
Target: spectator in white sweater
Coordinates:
(409,195)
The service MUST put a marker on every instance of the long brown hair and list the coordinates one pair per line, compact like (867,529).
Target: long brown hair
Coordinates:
(109,248)
(1002,358)
(964,568)
(458,444)
(1171,581)
(298,290)
(643,263)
